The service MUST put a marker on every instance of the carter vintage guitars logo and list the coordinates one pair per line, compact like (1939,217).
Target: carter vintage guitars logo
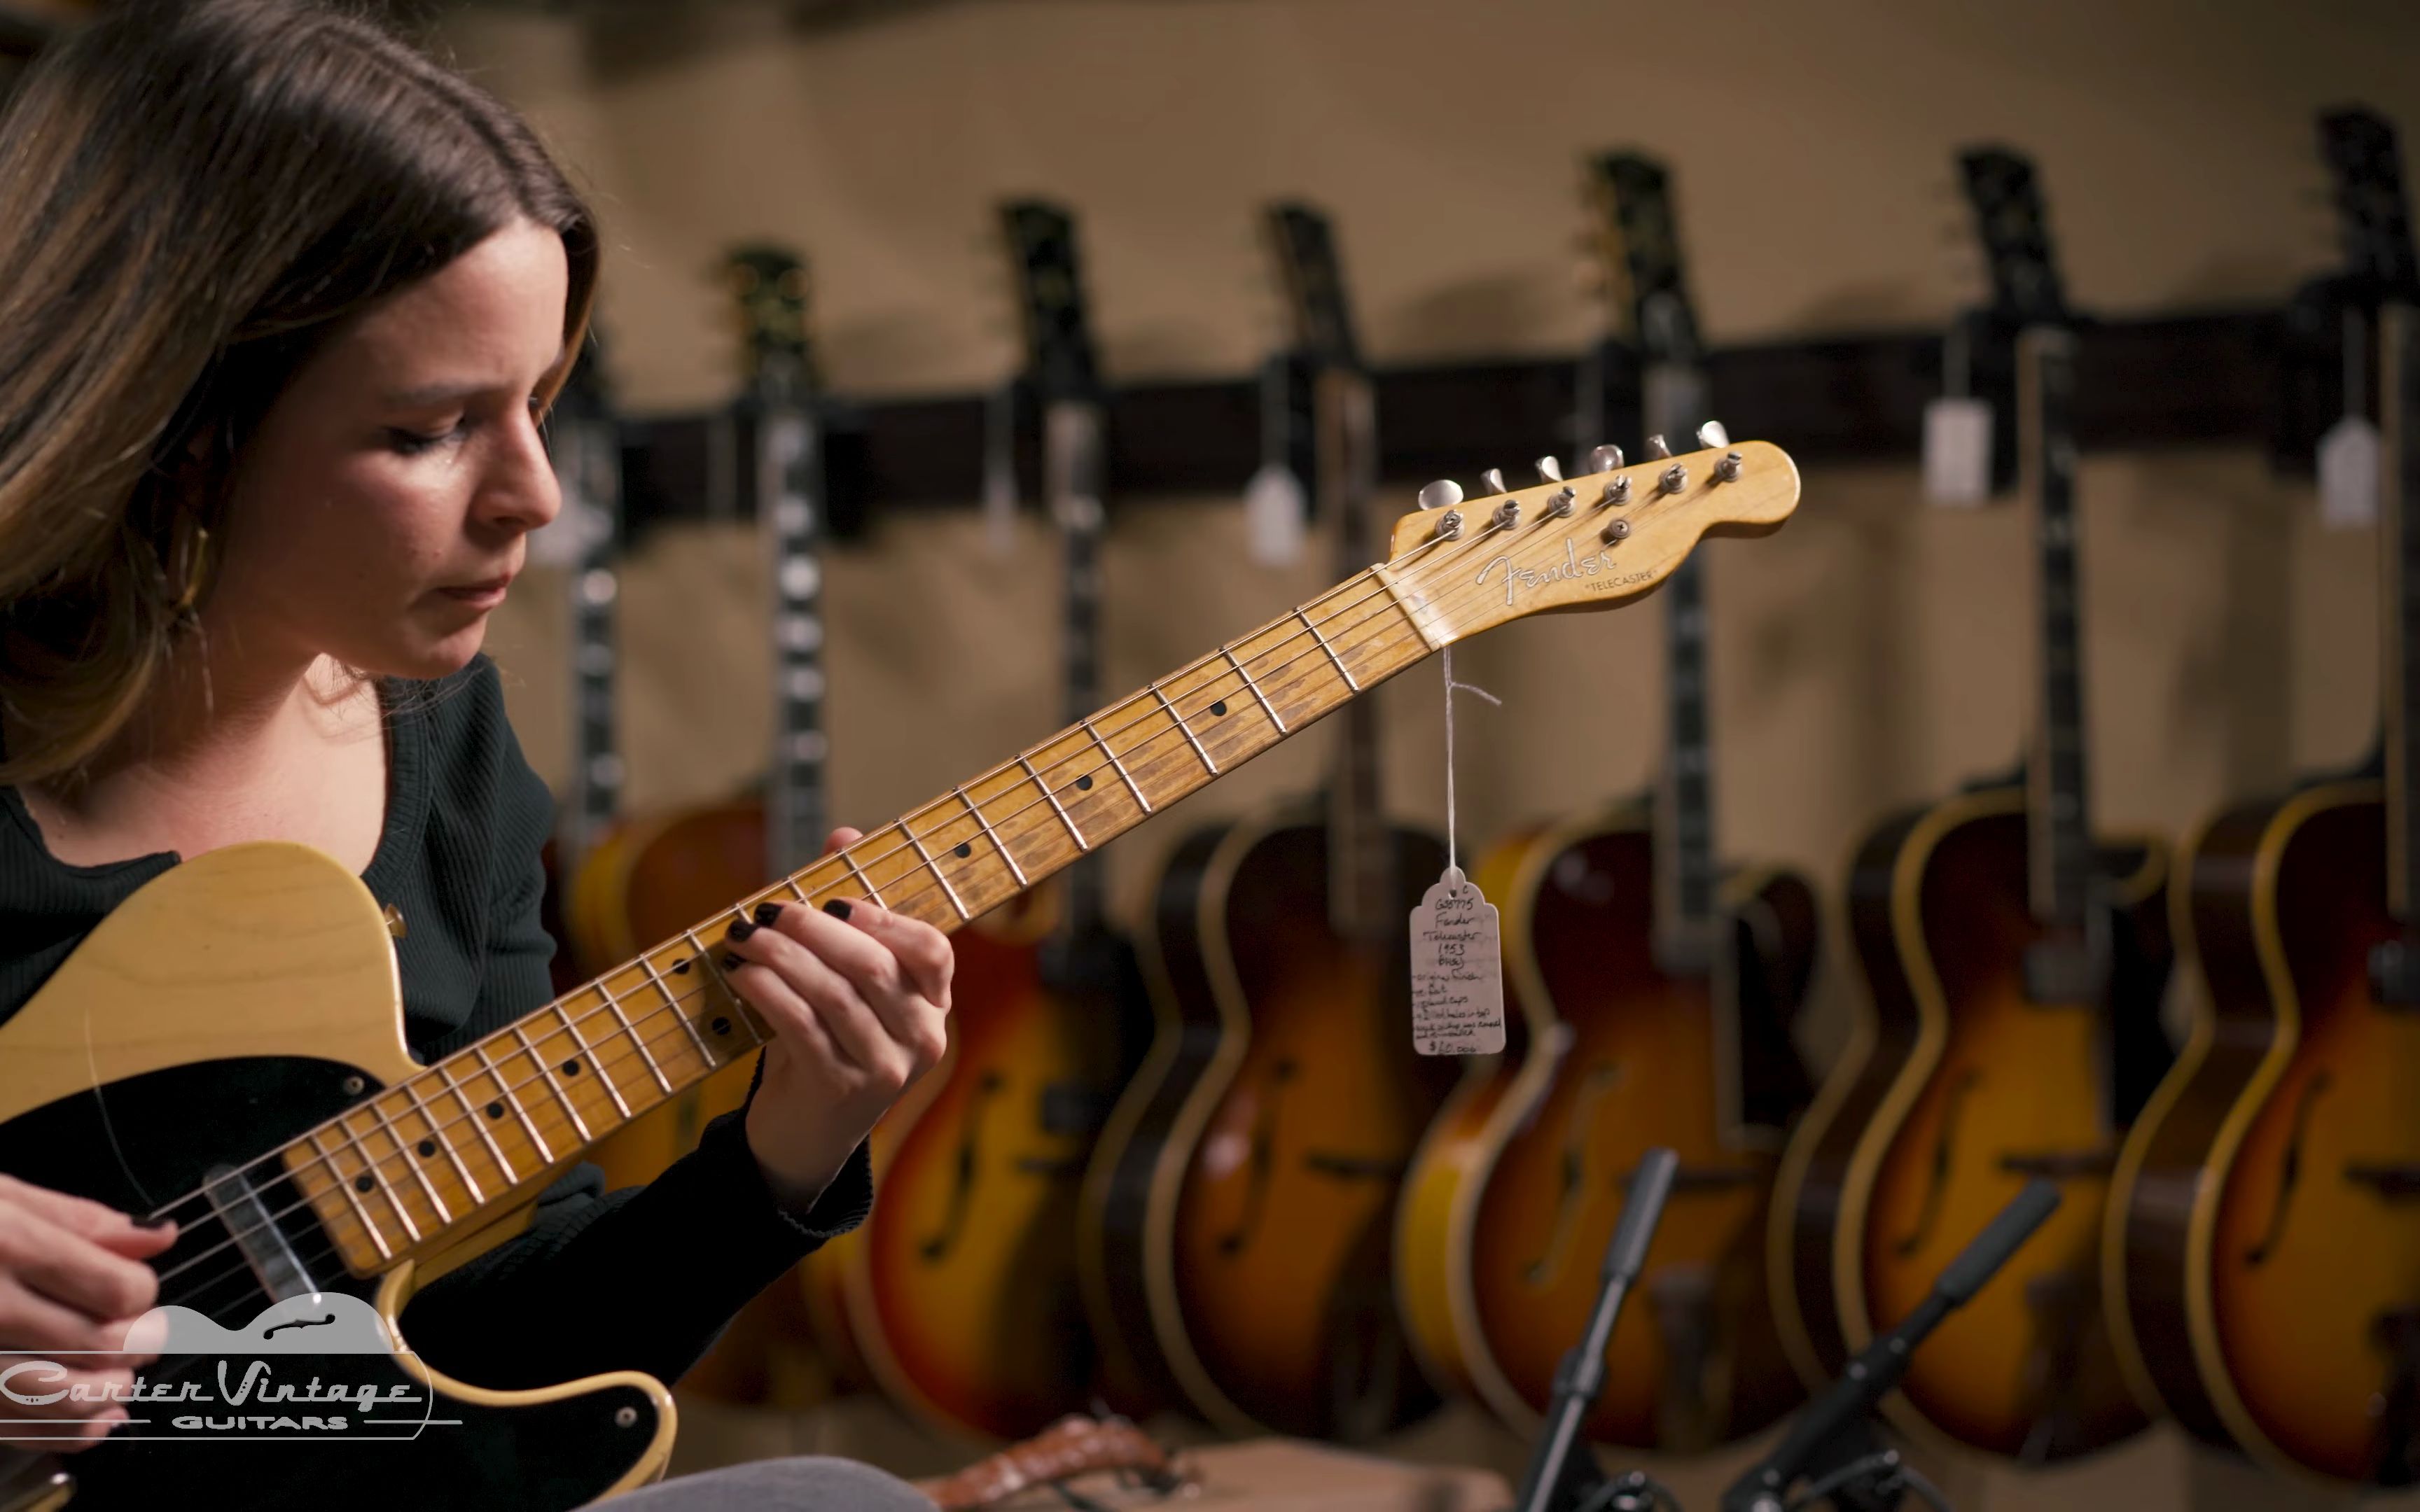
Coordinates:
(1599,566)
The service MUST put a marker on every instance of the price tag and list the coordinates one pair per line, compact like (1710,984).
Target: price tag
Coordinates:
(2349,461)
(1273,513)
(1457,971)
(1958,453)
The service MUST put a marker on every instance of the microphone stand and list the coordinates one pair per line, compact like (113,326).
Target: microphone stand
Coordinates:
(1831,1438)
(1563,1475)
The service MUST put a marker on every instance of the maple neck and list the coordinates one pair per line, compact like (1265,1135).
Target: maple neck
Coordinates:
(1359,850)
(588,462)
(1073,477)
(434,1158)
(1684,809)
(789,487)
(2398,349)
(2058,812)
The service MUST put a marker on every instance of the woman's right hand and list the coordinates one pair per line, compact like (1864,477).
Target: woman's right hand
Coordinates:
(71,1279)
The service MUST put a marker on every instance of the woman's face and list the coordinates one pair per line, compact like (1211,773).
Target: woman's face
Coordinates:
(377,513)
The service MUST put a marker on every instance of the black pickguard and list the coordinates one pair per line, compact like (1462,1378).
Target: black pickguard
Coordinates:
(143,1143)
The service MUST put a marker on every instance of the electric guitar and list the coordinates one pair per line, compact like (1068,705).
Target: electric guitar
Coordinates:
(2265,1222)
(227,1048)
(1656,999)
(2015,971)
(1244,1192)
(960,1291)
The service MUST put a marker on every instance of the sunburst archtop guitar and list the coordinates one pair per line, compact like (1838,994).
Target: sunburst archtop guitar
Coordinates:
(302,1148)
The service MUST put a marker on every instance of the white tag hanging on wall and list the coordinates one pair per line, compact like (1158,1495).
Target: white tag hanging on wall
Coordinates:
(1457,971)
(1957,452)
(1274,508)
(2348,464)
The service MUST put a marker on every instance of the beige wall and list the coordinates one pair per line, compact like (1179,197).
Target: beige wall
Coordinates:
(1870,656)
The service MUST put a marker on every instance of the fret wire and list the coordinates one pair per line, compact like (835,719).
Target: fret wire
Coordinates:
(588,1053)
(672,1001)
(1343,670)
(411,1164)
(470,1116)
(1014,869)
(613,1006)
(926,857)
(506,1093)
(1132,785)
(477,1198)
(792,882)
(384,1188)
(1266,707)
(706,962)
(344,1184)
(1190,737)
(562,1095)
(1081,843)
(862,880)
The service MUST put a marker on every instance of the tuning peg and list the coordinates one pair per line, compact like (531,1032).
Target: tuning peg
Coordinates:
(1656,450)
(1617,491)
(1491,481)
(1443,494)
(1729,467)
(1549,470)
(1676,478)
(1559,502)
(1604,458)
(1711,434)
(1508,515)
(1448,527)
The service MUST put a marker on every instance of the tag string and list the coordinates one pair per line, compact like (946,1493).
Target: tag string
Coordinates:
(1451,687)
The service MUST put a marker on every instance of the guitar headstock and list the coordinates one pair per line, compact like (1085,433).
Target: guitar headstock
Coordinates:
(1588,543)
(1640,239)
(1313,276)
(2373,217)
(1050,293)
(2015,231)
(771,286)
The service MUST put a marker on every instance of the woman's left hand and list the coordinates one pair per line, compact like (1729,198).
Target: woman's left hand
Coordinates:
(859,997)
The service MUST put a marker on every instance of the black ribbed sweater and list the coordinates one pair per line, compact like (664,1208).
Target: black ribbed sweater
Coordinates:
(638,1279)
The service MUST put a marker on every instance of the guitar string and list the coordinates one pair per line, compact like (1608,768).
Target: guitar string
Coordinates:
(1344,639)
(618,1055)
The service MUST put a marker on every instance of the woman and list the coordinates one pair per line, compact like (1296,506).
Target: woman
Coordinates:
(282,305)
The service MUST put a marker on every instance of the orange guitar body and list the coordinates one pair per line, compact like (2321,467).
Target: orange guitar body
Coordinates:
(1643,1057)
(2269,1251)
(1268,1267)
(960,1291)
(2000,1089)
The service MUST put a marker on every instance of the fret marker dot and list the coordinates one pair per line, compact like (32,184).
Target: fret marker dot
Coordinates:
(1085,783)
(965,850)
(1220,707)
(680,968)
(571,1068)
(495,1110)
(723,1025)
(363,1183)
(428,1147)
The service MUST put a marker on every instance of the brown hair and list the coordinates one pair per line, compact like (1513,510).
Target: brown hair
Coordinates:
(192,197)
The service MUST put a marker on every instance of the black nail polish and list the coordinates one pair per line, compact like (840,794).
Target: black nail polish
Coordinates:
(732,962)
(153,1224)
(837,907)
(768,913)
(739,931)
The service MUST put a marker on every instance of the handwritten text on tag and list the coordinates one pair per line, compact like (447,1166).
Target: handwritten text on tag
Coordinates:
(1457,971)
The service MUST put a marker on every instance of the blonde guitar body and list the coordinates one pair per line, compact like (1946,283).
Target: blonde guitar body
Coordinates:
(224,1008)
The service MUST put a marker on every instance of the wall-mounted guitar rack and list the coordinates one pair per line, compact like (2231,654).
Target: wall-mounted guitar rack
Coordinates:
(2270,377)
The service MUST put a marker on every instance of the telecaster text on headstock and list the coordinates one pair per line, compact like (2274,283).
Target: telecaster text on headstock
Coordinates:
(1597,564)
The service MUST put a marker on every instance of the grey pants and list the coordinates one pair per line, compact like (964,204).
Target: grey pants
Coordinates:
(809,1483)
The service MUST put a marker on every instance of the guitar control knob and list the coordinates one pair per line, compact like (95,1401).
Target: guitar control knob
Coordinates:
(1656,450)
(1443,494)
(1604,458)
(1549,470)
